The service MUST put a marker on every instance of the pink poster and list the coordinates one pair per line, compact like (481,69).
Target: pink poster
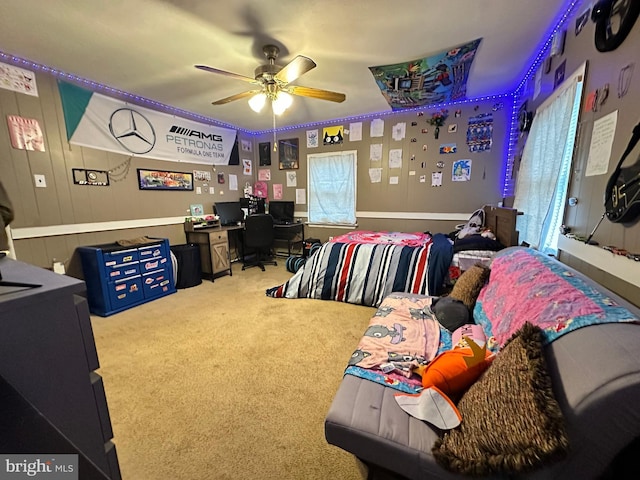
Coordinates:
(25,133)
(264,174)
(277,191)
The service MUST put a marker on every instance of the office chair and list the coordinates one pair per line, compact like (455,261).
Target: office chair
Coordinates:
(257,238)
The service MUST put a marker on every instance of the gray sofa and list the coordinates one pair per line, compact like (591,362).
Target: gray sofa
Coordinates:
(595,372)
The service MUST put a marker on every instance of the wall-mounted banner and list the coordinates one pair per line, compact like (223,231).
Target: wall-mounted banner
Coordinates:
(97,121)
(440,78)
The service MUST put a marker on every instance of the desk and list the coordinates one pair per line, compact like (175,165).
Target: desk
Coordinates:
(292,234)
(213,241)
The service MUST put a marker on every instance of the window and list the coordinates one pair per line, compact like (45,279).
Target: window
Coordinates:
(332,188)
(543,178)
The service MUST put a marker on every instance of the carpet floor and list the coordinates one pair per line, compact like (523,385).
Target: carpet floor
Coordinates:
(219,381)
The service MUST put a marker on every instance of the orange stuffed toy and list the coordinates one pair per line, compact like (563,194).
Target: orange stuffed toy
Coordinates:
(454,371)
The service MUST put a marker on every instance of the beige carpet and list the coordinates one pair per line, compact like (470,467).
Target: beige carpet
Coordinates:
(219,381)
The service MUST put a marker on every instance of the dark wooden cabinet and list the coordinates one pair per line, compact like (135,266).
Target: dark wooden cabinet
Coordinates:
(48,355)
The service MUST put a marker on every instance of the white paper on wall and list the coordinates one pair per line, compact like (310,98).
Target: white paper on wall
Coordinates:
(377,128)
(355,132)
(375,152)
(604,130)
(395,158)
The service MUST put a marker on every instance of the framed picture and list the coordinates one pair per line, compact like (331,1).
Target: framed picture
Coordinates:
(196,209)
(265,153)
(163,180)
(288,154)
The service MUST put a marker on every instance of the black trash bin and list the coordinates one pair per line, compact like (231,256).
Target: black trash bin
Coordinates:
(189,267)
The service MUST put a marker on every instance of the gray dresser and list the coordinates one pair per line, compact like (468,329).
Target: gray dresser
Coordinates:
(48,355)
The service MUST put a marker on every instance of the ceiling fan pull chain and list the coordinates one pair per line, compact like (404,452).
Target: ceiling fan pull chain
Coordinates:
(275,144)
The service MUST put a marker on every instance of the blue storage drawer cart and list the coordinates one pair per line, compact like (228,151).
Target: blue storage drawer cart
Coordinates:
(119,277)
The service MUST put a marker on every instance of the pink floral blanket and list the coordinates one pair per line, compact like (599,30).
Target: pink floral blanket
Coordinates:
(526,285)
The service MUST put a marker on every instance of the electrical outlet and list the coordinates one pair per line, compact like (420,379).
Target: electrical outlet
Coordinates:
(40,181)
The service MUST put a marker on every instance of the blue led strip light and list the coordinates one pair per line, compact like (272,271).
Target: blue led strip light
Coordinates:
(95,86)
(388,114)
(508,185)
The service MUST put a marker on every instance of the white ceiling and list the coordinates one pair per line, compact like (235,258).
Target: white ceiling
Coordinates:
(149,47)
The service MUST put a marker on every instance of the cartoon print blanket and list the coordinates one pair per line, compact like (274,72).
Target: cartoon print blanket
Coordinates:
(402,334)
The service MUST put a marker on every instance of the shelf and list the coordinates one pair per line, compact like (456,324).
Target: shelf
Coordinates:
(616,265)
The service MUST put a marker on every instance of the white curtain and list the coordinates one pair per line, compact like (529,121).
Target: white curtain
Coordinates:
(332,188)
(543,176)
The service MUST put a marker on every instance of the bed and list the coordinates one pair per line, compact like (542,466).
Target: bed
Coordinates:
(364,267)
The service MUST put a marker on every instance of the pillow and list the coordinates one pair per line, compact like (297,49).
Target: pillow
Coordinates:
(476,242)
(474,224)
(451,312)
(511,421)
(468,286)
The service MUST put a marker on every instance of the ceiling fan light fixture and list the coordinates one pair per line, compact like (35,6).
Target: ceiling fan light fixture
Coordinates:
(281,102)
(257,102)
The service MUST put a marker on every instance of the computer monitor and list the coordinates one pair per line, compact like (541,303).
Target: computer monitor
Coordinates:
(230,213)
(281,211)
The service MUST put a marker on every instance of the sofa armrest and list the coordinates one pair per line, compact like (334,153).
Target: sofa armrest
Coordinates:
(596,379)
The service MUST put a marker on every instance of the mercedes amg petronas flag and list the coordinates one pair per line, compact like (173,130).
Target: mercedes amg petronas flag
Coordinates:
(97,121)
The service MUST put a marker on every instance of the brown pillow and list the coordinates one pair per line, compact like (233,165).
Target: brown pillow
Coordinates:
(468,286)
(511,421)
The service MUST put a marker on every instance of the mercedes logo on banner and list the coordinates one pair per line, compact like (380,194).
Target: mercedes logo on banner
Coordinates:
(132,130)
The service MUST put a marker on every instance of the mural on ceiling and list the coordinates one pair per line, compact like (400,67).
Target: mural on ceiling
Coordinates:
(437,79)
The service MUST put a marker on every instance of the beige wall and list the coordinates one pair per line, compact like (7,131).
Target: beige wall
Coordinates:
(410,205)
(407,206)
(63,203)
(602,68)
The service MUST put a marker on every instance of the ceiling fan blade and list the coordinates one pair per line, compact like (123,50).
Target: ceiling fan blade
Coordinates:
(237,96)
(227,74)
(316,93)
(295,68)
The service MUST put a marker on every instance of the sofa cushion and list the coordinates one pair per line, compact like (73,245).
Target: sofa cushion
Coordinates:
(511,421)
(468,286)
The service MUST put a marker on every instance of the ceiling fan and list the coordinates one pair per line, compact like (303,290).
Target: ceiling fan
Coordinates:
(273,82)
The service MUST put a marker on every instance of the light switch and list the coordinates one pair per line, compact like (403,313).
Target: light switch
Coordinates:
(40,180)
(212,190)
(198,190)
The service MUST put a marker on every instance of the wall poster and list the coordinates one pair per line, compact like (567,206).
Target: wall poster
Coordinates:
(164,180)
(288,154)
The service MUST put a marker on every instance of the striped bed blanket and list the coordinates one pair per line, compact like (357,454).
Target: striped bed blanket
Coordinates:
(365,274)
